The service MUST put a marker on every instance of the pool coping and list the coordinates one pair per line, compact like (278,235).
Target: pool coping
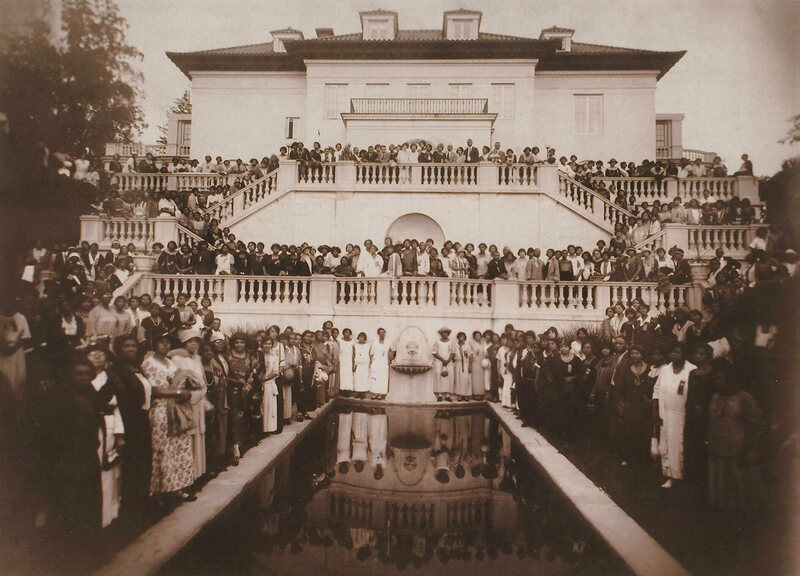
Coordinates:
(162,541)
(628,540)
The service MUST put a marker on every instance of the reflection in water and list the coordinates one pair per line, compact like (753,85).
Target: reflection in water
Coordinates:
(402,487)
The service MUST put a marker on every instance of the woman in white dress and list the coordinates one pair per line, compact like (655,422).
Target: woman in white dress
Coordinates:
(480,366)
(505,357)
(361,365)
(268,375)
(346,354)
(669,409)
(379,366)
(443,355)
(462,368)
(193,376)
(14,336)
(111,429)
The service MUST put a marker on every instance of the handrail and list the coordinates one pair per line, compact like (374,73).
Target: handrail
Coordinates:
(219,210)
(602,198)
(650,239)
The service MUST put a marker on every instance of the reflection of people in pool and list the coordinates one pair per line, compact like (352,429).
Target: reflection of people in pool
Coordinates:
(410,463)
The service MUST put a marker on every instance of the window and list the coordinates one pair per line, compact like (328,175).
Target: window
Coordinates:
(376,30)
(292,124)
(662,138)
(589,114)
(335,100)
(462,29)
(503,96)
(460,90)
(377,90)
(184,133)
(419,90)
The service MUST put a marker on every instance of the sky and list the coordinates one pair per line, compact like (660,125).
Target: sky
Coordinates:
(738,84)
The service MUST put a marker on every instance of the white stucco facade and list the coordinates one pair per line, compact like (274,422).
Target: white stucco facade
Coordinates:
(341,217)
(246,114)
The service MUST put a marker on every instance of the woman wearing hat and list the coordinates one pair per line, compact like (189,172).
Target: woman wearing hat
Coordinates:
(173,461)
(192,376)
(241,367)
(443,355)
(270,366)
(669,409)
(634,392)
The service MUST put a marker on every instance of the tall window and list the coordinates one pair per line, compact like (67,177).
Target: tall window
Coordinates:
(377,90)
(292,123)
(662,135)
(503,97)
(588,114)
(335,100)
(419,90)
(185,133)
(460,90)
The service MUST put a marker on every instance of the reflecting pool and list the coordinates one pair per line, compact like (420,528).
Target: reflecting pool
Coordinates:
(396,489)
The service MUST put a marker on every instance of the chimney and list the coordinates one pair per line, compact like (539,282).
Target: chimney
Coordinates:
(324,32)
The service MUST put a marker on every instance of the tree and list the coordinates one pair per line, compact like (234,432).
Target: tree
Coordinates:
(75,96)
(182,105)
(793,134)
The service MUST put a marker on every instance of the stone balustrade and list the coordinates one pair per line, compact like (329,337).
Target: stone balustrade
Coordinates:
(591,203)
(649,189)
(181,182)
(141,232)
(401,300)
(370,176)
(700,241)
(244,200)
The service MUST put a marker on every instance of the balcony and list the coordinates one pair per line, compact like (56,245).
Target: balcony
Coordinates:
(394,303)
(419,106)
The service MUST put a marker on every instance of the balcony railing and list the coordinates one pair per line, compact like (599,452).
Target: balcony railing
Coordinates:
(412,296)
(419,106)
(700,241)
(137,148)
(647,189)
(182,181)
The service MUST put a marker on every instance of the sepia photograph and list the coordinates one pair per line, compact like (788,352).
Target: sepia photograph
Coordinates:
(432,287)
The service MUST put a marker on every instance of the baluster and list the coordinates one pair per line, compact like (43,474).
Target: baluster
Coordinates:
(394,297)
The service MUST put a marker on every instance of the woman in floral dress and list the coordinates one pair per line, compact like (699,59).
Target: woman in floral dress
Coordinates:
(173,461)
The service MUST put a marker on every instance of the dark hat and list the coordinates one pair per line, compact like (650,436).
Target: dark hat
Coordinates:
(239,336)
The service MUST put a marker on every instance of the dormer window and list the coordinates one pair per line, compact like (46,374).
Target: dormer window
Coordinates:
(462,24)
(379,25)
(280,36)
(562,34)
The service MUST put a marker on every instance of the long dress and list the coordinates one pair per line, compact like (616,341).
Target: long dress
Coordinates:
(504,369)
(173,461)
(480,375)
(442,384)
(695,431)
(110,469)
(670,390)
(361,359)
(193,365)
(379,368)
(461,369)
(12,366)
(269,403)
(734,480)
(346,351)
(292,360)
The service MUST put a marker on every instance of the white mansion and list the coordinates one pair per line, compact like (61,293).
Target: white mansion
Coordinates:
(390,85)
(387,86)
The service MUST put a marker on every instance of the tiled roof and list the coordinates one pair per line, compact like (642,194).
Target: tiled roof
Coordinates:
(426,44)
(557,29)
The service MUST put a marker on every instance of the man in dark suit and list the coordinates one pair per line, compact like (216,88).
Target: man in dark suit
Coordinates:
(496,268)
(683,272)
(472,153)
